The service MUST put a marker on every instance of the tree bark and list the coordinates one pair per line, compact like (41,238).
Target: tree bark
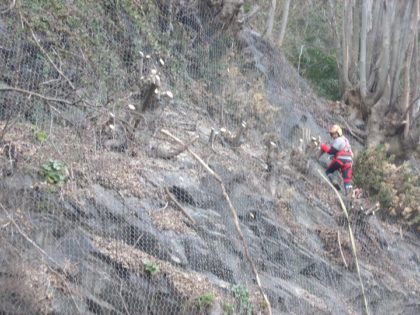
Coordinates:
(347,35)
(379,64)
(270,22)
(362,61)
(284,19)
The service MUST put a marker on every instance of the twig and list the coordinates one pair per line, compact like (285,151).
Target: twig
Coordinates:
(5,225)
(353,243)
(123,301)
(138,240)
(44,253)
(341,250)
(12,5)
(212,137)
(30,93)
(179,205)
(234,214)
(46,54)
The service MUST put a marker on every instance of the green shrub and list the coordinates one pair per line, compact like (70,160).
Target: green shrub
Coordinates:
(369,170)
(55,172)
(385,196)
(397,188)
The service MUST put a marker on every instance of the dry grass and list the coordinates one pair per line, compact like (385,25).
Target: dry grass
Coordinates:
(171,219)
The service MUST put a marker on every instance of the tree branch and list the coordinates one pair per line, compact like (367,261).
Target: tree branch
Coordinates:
(173,199)
(46,54)
(341,250)
(31,93)
(234,214)
(358,135)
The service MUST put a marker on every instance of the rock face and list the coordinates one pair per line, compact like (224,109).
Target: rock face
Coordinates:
(96,251)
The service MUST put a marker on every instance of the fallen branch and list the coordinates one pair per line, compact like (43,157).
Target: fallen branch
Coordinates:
(372,210)
(169,154)
(31,93)
(173,199)
(46,54)
(234,214)
(353,243)
(341,250)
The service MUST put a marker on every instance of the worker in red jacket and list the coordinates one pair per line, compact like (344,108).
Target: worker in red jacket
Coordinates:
(342,158)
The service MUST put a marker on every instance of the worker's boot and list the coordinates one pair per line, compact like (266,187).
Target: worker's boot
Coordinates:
(334,181)
(348,190)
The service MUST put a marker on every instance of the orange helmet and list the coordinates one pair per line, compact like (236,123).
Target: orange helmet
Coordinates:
(336,129)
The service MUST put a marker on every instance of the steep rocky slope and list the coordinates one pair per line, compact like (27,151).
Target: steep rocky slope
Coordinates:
(110,239)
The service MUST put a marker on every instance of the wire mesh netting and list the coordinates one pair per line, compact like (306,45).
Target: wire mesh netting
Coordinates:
(156,159)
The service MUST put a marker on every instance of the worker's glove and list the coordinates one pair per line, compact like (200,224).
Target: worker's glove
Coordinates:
(325,148)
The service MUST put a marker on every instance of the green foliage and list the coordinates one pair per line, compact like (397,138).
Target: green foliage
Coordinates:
(320,68)
(40,135)
(242,302)
(247,7)
(204,301)
(369,170)
(397,188)
(385,196)
(310,45)
(55,172)
(151,268)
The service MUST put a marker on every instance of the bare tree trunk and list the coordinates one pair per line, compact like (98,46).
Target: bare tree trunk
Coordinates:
(378,65)
(355,43)
(337,41)
(409,62)
(346,46)
(381,65)
(406,88)
(270,22)
(362,61)
(284,18)
(400,47)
